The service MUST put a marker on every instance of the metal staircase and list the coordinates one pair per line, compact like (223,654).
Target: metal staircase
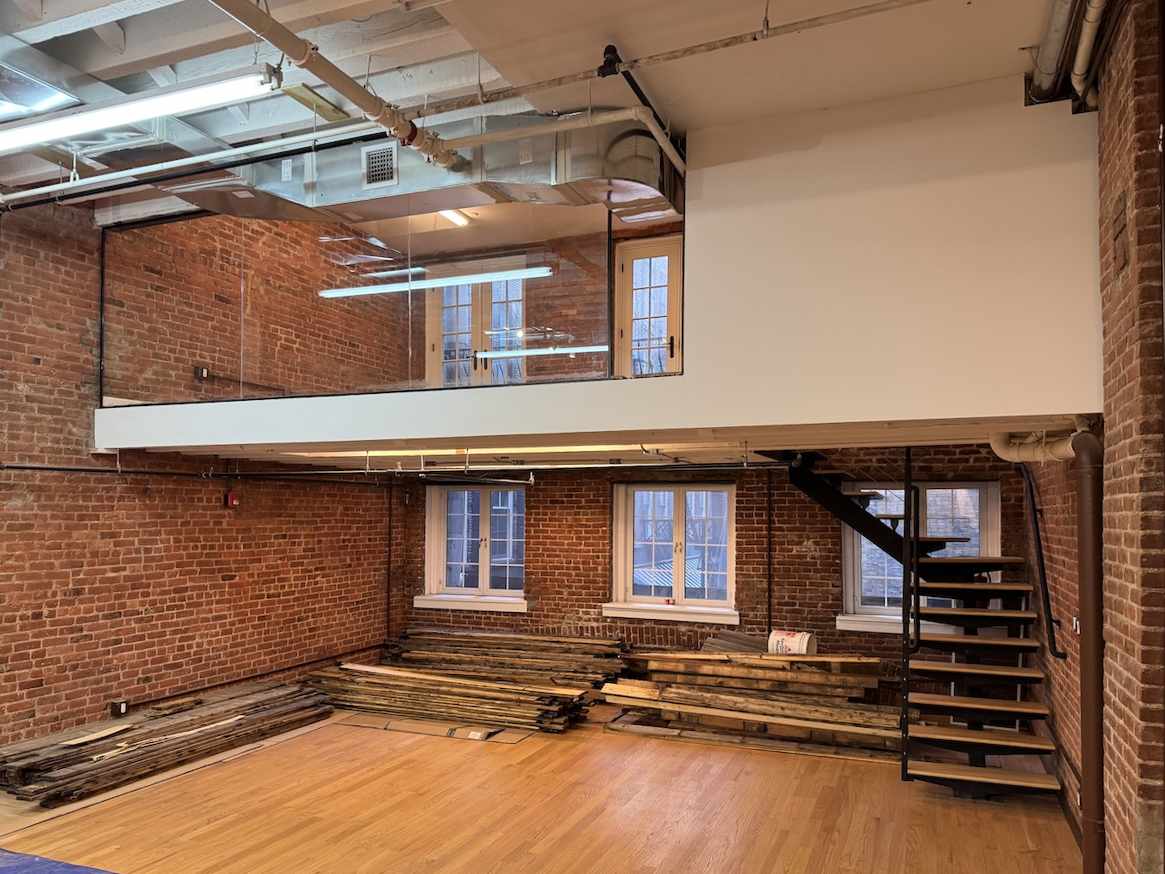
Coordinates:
(968,697)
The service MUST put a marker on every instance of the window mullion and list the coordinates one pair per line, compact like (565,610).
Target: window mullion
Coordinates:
(485,503)
(679,515)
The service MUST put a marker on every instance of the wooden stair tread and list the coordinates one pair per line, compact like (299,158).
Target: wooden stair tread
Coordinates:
(966,669)
(974,640)
(993,776)
(985,737)
(991,705)
(958,560)
(985,588)
(980,612)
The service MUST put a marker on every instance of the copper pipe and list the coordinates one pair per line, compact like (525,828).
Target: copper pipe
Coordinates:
(1089,490)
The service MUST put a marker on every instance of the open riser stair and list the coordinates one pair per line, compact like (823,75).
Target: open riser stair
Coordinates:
(971,697)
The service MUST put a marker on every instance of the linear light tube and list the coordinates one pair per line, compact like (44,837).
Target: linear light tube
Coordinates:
(402,271)
(175,100)
(455,216)
(418,284)
(548,350)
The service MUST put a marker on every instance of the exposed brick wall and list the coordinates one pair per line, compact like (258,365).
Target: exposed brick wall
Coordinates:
(241,297)
(1056,495)
(142,587)
(568,554)
(1134,421)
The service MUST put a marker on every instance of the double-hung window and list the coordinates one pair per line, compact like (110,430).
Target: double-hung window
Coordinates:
(674,552)
(475,548)
(872,580)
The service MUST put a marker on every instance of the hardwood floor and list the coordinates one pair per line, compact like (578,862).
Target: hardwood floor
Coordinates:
(350,799)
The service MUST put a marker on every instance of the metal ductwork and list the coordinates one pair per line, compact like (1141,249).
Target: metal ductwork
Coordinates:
(610,158)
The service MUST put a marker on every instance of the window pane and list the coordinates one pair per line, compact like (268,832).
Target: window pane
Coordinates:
(507,539)
(706,545)
(462,538)
(881,575)
(654,547)
(659,270)
(640,272)
(954,513)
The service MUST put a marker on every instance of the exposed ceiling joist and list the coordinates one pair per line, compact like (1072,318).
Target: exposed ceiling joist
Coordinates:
(167,36)
(64,17)
(113,35)
(318,105)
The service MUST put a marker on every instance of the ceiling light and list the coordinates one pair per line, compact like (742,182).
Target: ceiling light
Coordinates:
(403,271)
(546,350)
(175,100)
(22,94)
(456,216)
(440,282)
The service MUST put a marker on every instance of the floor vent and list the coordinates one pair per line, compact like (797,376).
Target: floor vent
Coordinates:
(379,165)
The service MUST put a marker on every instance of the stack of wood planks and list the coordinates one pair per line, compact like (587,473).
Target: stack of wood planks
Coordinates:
(82,761)
(511,658)
(427,695)
(813,699)
(734,641)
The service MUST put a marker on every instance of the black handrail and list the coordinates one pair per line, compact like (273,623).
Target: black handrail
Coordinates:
(1051,623)
(906,600)
(915,555)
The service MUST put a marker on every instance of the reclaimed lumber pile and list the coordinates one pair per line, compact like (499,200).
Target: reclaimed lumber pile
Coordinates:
(838,676)
(510,657)
(816,701)
(74,764)
(735,641)
(427,695)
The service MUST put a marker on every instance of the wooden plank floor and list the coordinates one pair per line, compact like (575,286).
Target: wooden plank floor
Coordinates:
(351,799)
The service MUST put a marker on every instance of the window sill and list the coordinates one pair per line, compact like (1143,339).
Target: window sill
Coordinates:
(481,603)
(885,624)
(673,613)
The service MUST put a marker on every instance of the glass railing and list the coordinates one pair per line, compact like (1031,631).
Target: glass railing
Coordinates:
(225,307)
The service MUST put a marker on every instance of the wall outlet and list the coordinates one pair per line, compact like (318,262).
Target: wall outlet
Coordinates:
(1076,624)
(118,708)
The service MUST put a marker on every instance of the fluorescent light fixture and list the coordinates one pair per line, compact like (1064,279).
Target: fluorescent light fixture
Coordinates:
(174,100)
(403,271)
(456,216)
(548,350)
(22,94)
(441,282)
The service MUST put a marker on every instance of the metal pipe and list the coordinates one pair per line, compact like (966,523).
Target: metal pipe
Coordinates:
(1032,447)
(307,56)
(1052,54)
(1093,13)
(1089,520)
(453,103)
(769,545)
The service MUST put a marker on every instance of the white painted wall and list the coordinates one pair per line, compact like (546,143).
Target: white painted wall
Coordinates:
(926,257)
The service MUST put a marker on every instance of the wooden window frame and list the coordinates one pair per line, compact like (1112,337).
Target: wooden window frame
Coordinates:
(625,252)
(437,594)
(624,603)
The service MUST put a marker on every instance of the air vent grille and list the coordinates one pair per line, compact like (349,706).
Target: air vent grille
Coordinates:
(380,165)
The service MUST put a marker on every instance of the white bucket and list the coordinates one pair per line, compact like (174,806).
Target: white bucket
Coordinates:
(792,643)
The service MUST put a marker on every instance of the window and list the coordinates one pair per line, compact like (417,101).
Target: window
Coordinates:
(648,306)
(674,553)
(475,548)
(873,580)
(472,328)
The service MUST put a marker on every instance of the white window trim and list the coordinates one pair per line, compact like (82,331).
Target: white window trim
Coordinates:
(673,247)
(436,595)
(880,620)
(625,605)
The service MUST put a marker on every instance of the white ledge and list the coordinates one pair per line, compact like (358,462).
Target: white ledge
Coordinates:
(673,613)
(885,624)
(484,603)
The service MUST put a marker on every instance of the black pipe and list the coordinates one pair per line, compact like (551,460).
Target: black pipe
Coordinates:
(611,66)
(388,572)
(769,542)
(1051,623)
(610,296)
(904,675)
(1089,521)
(101,318)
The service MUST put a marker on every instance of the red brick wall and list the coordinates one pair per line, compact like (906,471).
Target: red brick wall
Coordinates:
(1056,497)
(241,297)
(1134,422)
(143,587)
(568,554)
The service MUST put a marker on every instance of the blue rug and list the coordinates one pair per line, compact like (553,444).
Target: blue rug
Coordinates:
(18,863)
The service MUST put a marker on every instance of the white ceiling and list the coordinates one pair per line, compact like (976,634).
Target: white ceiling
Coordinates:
(933,45)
